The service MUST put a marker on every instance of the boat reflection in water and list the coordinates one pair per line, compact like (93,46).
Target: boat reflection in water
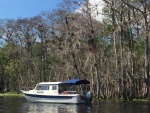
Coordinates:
(54,108)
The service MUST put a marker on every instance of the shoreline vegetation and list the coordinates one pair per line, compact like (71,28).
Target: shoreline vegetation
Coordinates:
(11,94)
(122,100)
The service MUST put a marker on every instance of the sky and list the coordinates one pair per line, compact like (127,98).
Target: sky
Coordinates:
(97,14)
(14,9)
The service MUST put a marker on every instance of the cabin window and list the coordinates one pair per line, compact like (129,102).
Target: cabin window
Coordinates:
(54,87)
(42,88)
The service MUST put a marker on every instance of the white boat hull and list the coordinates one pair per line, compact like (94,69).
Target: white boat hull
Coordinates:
(61,98)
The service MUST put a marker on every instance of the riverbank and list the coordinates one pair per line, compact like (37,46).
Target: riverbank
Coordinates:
(122,100)
(11,94)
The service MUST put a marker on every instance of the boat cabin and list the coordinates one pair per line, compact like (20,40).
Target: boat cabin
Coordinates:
(53,88)
(47,88)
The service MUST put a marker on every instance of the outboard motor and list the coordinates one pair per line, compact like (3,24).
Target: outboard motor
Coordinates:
(89,96)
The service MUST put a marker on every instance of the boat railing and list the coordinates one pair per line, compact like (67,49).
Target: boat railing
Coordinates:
(69,92)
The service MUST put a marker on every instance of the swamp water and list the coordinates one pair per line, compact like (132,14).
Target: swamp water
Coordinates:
(20,105)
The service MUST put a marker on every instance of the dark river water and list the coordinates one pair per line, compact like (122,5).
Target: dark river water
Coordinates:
(20,105)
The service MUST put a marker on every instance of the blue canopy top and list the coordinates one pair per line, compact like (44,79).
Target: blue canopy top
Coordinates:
(75,82)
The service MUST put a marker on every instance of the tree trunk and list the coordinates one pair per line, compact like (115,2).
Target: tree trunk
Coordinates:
(97,76)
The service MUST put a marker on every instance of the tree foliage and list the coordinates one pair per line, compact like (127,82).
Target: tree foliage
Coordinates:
(113,54)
